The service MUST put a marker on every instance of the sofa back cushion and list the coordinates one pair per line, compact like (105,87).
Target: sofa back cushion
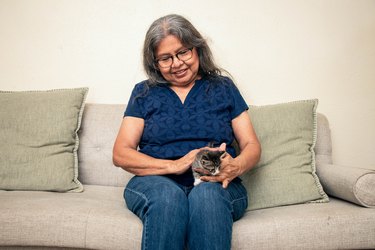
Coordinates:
(100,125)
(99,129)
(323,146)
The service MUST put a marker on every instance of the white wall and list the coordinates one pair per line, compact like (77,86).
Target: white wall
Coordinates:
(277,50)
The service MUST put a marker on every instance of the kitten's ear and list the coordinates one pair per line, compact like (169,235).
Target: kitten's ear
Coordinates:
(223,146)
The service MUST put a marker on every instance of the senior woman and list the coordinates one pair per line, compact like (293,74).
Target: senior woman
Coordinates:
(183,105)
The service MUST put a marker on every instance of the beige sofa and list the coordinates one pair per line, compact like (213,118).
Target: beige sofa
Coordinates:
(98,218)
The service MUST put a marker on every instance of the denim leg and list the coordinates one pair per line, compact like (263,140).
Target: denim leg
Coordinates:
(163,208)
(212,211)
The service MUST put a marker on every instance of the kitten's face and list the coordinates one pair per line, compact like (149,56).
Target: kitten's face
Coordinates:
(210,160)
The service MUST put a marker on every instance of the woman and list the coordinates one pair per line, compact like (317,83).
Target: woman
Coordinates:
(185,104)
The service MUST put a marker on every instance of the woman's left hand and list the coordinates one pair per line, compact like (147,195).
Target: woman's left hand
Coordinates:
(249,156)
(228,171)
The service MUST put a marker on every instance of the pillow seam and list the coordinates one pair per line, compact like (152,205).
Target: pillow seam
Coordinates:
(355,191)
(324,197)
(79,187)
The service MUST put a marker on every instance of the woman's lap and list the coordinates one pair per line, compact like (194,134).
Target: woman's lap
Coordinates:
(168,209)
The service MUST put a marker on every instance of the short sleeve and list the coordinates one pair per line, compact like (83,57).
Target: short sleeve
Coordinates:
(135,107)
(238,103)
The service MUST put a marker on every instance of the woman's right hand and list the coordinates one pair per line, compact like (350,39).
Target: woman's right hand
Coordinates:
(184,163)
(126,155)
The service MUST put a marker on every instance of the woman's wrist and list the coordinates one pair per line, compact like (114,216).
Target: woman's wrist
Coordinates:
(240,166)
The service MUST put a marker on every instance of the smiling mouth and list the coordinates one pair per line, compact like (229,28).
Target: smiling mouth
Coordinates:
(180,72)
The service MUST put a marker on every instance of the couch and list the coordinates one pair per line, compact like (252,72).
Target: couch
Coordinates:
(97,218)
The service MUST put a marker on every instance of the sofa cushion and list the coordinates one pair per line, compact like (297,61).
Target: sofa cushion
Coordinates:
(286,172)
(99,219)
(356,185)
(100,125)
(94,219)
(334,225)
(39,141)
(323,146)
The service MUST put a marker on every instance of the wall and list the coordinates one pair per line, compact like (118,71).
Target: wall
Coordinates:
(276,50)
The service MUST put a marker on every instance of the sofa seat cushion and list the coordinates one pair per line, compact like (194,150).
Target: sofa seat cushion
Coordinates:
(96,218)
(334,225)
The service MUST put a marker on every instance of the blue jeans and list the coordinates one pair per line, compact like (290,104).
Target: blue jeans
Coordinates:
(175,216)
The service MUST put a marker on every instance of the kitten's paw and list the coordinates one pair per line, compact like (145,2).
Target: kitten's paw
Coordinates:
(197,181)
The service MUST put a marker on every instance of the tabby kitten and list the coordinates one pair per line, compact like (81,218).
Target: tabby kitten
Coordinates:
(208,161)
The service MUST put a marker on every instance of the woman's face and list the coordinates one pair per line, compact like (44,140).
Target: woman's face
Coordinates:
(179,73)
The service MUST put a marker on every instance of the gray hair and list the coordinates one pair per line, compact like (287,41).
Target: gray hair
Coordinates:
(189,36)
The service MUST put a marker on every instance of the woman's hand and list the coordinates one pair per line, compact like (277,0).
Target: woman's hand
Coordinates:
(229,170)
(126,155)
(250,152)
(184,163)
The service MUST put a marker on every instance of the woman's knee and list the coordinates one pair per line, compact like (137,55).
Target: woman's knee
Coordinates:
(212,198)
(155,194)
(207,197)
(207,191)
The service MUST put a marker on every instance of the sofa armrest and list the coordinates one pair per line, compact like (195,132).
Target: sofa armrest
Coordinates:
(356,185)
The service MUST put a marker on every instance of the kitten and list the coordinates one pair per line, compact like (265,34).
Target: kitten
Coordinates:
(208,161)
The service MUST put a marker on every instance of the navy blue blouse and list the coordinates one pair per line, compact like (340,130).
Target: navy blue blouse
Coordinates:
(173,128)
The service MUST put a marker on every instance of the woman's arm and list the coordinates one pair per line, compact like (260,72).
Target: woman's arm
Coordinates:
(248,142)
(249,156)
(126,156)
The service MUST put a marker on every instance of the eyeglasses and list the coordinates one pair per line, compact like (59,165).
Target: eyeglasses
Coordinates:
(182,55)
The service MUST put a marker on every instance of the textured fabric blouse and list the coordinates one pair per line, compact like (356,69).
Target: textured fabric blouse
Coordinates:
(173,128)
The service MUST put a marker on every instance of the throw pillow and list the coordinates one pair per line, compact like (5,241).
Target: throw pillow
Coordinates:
(352,184)
(286,172)
(39,141)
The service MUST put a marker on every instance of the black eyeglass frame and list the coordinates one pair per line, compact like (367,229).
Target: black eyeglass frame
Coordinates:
(181,52)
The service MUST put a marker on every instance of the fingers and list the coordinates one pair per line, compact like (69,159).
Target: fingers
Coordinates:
(224,155)
(228,171)
(202,171)
(192,154)
(224,180)
(225,183)
(222,147)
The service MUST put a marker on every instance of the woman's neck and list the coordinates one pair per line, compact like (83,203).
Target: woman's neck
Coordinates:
(182,91)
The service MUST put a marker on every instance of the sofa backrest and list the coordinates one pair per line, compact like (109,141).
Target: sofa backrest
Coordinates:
(323,147)
(100,124)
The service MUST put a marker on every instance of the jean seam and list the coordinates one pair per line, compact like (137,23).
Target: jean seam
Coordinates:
(239,199)
(145,215)
(146,231)
(235,218)
(138,193)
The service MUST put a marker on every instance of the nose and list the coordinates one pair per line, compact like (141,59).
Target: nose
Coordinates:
(176,62)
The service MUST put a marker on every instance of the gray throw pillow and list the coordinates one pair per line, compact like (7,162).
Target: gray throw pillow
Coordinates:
(286,172)
(39,141)
(352,184)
